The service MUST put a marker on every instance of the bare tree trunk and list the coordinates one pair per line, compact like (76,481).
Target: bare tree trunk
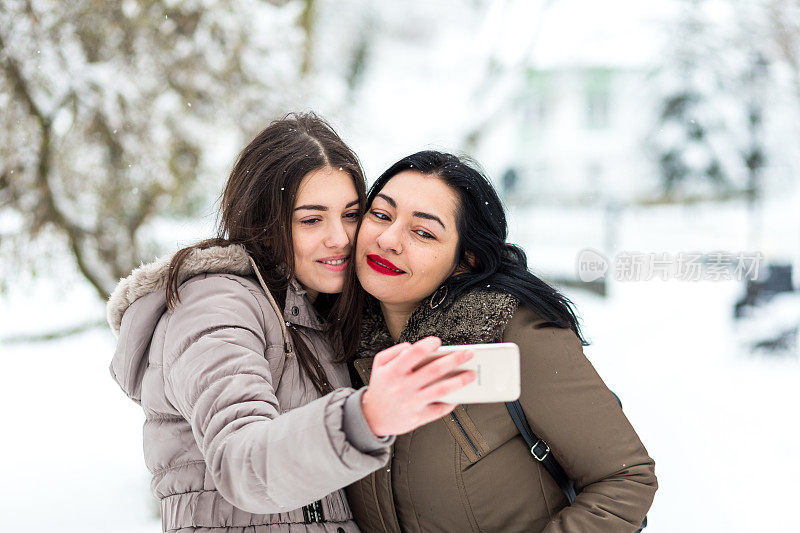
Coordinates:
(96,68)
(495,74)
(47,210)
(782,14)
(307,25)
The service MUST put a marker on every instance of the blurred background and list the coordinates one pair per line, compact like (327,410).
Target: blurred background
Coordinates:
(647,153)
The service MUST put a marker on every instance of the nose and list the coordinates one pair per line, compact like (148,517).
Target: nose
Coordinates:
(390,239)
(336,237)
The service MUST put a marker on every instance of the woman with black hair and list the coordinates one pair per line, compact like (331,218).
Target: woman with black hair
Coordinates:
(251,425)
(432,255)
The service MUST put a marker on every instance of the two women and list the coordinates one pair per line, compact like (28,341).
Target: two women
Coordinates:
(251,421)
(431,254)
(228,347)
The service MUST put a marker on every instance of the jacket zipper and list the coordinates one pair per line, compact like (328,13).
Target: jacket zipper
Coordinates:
(466,435)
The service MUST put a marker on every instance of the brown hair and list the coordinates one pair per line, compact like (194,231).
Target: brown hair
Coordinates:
(256,211)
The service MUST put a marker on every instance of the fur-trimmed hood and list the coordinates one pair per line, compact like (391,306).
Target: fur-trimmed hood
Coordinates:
(219,390)
(139,301)
(152,277)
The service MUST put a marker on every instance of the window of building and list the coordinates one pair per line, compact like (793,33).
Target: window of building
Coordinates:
(598,98)
(536,100)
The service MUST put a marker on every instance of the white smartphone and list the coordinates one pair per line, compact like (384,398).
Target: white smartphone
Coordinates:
(497,369)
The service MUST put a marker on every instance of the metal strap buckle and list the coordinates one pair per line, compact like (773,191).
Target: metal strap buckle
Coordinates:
(544,454)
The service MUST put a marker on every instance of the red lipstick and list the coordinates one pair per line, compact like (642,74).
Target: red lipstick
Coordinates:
(383,266)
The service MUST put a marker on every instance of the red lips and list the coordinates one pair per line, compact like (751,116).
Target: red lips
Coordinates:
(383,266)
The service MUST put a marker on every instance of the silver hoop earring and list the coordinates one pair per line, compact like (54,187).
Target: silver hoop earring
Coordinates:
(436,301)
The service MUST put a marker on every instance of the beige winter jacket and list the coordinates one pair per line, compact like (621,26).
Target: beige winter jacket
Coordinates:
(236,437)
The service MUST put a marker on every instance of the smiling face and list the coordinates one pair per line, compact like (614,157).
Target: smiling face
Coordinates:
(324,221)
(408,240)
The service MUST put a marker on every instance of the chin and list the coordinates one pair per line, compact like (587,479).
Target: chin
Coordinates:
(376,292)
(331,289)
(369,282)
(382,292)
(324,286)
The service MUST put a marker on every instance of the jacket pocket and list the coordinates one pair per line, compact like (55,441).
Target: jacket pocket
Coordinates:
(505,490)
(466,434)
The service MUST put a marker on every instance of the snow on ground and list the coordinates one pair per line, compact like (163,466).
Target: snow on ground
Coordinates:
(716,420)
(72,443)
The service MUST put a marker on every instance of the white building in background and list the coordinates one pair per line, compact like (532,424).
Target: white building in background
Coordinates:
(574,163)
(580,137)
(558,102)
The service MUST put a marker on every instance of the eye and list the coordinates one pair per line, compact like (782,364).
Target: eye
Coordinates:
(379,215)
(310,221)
(352,215)
(424,234)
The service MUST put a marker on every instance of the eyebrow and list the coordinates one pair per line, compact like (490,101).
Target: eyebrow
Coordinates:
(428,216)
(389,199)
(320,207)
(418,214)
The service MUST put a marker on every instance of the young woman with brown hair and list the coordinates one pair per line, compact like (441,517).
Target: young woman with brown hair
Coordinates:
(230,349)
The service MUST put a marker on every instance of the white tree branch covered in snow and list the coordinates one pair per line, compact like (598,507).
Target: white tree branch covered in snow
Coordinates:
(783,21)
(721,85)
(110,108)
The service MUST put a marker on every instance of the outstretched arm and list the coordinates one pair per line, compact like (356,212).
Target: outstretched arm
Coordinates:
(217,377)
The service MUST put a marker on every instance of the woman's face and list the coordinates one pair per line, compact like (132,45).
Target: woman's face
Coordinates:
(408,239)
(324,222)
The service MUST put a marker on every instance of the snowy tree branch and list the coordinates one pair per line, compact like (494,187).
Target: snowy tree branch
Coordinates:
(307,24)
(115,112)
(48,210)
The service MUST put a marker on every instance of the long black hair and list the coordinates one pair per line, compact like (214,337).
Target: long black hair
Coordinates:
(482,251)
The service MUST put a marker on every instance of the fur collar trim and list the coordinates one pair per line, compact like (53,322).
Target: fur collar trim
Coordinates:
(478,316)
(152,277)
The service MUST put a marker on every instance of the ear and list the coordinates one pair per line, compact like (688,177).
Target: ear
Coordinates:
(471,260)
(468,263)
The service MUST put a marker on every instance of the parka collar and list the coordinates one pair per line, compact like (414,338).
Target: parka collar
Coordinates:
(152,277)
(476,316)
(299,310)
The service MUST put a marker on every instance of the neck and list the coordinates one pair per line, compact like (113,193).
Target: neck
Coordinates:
(311,294)
(396,317)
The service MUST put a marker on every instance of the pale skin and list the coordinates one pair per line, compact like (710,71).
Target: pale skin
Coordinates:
(400,396)
(325,216)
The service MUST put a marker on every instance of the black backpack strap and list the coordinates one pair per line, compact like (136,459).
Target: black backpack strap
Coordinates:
(540,450)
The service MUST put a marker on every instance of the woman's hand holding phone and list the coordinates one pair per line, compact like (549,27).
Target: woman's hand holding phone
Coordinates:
(402,395)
